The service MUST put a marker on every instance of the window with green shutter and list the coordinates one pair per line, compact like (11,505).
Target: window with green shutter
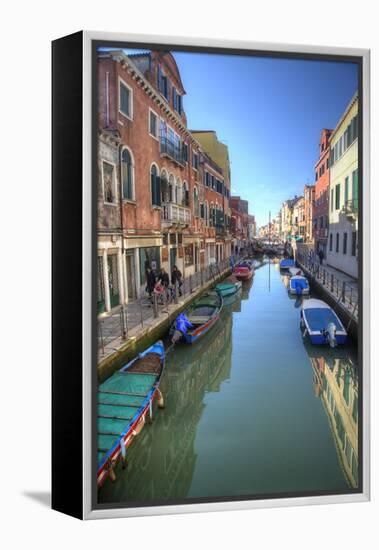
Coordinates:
(355,189)
(127,175)
(346,189)
(155,187)
(338,187)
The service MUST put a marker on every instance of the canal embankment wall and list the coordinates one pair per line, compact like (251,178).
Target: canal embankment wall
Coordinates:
(141,337)
(348,315)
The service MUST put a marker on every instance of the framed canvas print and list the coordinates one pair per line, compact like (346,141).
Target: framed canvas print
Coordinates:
(210,275)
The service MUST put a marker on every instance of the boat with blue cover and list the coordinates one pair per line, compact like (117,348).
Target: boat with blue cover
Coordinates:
(286,263)
(200,317)
(321,323)
(298,285)
(125,402)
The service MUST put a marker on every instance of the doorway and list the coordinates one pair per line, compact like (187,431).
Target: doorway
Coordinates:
(130,276)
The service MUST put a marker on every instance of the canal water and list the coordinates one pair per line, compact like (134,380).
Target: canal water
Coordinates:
(251,409)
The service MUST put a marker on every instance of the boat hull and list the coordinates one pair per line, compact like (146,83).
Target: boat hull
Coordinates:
(232,289)
(212,299)
(191,338)
(242,276)
(319,339)
(133,428)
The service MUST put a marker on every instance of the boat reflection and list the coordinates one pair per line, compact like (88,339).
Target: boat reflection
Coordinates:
(336,384)
(162,461)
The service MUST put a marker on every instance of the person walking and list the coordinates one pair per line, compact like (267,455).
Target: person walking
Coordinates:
(176,278)
(164,281)
(321,255)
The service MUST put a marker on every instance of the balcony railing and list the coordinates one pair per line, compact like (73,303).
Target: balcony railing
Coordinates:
(175,213)
(350,209)
(171,150)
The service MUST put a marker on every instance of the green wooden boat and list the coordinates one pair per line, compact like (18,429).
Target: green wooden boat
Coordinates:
(124,402)
(228,289)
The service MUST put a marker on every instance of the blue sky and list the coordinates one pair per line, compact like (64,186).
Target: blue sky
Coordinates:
(270,113)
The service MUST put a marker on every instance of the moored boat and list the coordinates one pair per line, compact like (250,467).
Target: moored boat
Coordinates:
(321,323)
(295,271)
(200,317)
(298,285)
(228,288)
(244,270)
(286,263)
(125,401)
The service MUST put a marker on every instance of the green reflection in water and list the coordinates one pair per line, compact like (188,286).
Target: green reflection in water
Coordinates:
(250,409)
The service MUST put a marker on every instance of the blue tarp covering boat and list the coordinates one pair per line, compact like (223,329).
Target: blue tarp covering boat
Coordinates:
(286,263)
(321,323)
(298,285)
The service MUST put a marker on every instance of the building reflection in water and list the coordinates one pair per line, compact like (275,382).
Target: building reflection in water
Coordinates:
(162,460)
(336,384)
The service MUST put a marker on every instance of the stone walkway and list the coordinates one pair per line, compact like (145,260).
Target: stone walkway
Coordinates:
(141,314)
(340,285)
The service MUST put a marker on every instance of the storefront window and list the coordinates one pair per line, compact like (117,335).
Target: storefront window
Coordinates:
(149,257)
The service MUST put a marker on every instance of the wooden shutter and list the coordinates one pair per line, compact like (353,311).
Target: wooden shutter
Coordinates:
(159,78)
(158,190)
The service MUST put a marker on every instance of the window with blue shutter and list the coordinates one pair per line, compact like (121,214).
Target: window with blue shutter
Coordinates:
(159,78)
(174,98)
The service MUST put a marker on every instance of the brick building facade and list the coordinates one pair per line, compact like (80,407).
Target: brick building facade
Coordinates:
(170,205)
(321,205)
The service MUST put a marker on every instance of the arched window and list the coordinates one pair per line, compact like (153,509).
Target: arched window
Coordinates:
(172,188)
(185,201)
(164,187)
(179,191)
(155,186)
(195,202)
(127,175)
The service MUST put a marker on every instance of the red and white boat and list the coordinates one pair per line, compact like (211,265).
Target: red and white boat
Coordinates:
(244,270)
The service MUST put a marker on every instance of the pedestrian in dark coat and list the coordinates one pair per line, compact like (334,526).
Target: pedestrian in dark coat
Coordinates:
(176,277)
(321,255)
(150,281)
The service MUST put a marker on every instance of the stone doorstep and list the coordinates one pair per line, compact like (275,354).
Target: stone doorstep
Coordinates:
(137,333)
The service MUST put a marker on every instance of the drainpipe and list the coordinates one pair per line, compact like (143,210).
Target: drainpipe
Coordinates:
(124,328)
(107,99)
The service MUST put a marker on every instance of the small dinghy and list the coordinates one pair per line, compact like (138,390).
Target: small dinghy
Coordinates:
(197,319)
(124,402)
(228,288)
(286,263)
(321,323)
(298,285)
(244,270)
